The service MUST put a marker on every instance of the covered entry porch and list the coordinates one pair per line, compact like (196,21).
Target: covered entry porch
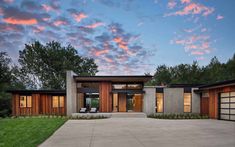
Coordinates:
(110,97)
(109,93)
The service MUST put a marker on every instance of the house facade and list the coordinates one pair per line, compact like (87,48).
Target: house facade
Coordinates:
(111,94)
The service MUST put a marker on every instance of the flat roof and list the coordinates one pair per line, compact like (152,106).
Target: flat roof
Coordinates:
(184,85)
(120,78)
(25,91)
(218,84)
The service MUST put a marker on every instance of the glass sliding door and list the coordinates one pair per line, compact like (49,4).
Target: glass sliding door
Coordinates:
(92,100)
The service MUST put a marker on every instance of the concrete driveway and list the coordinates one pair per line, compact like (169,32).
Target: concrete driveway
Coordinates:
(143,132)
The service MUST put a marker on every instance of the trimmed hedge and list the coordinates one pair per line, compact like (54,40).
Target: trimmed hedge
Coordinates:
(178,116)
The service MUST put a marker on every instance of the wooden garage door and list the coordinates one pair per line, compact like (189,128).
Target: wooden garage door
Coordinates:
(227,106)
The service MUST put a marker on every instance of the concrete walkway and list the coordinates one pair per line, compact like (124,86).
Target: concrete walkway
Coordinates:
(143,132)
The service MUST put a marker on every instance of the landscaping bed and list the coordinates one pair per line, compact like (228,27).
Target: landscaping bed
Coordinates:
(178,116)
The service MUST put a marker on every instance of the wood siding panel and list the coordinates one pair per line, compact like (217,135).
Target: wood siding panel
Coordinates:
(204,105)
(105,97)
(137,106)
(41,104)
(122,102)
(214,99)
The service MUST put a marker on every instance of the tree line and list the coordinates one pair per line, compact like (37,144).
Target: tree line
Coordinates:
(40,67)
(193,73)
(44,66)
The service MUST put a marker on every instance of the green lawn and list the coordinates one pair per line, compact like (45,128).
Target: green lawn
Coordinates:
(27,131)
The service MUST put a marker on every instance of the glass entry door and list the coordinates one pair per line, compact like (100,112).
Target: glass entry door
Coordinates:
(124,102)
(129,102)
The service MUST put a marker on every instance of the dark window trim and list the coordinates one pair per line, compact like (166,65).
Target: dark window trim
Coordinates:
(219,105)
(190,102)
(126,84)
(162,102)
(58,101)
(27,95)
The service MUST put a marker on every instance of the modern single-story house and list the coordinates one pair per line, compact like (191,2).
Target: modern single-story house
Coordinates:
(127,94)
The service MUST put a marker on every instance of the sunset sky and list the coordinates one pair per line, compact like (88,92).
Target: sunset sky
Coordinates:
(124,36)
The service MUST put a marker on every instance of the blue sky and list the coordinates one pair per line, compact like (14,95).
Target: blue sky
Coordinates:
(124,36)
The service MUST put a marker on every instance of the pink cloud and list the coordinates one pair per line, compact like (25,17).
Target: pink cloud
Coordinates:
(219,17)
(203,30)
(98,53)
(45,18)
(189,30)
(12,20)
(193,8)
(197,53)
(95,25)
(60,22)
(78,17)
(47,7)
(108,59)
(38,29)
(171,4)
(8,1)
(185,1)
(1,11)
(121,43)
(195,44)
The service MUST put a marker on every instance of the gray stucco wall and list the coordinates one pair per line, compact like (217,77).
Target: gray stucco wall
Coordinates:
(195,102)
(173,100)
(149,100)
(71,91)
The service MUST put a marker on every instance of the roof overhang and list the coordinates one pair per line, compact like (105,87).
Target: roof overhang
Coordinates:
(37,91)
(217,85)
(121,79)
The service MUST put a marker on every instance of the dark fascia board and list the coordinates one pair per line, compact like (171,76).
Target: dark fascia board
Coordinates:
(218,84)
(37,91)
(185,85)
(128,91)
(120,78)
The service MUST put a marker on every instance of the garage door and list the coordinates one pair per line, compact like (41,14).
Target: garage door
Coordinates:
(227,106)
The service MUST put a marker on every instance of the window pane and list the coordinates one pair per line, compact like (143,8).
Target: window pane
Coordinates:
(232,94)
(119,86)
(187,102)
(29,101)
(22,101)
(224,94)
(159,102)
(134,86)
(205,94)
(55,102)
(61,101)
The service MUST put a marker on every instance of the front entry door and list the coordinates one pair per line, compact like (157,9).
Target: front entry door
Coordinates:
(121,102)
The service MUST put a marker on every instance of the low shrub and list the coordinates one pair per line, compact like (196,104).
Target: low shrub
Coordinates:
(178,116)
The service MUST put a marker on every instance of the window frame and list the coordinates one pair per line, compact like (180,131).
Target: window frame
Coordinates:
(58,99)
(126,86)
(190,102)
(26,103)
(156,98)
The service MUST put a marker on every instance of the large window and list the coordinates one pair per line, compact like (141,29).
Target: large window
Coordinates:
(25,101)
(92,100)
(187,102)
(57,101)
(159,102)
(128,86)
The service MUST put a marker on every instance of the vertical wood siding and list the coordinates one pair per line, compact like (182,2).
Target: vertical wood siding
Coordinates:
(214,100)
(41,105)
(122,102)
(105,97)
(204,105)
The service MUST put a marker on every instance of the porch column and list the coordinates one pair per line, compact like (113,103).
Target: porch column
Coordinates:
(105,97)
(71,93)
